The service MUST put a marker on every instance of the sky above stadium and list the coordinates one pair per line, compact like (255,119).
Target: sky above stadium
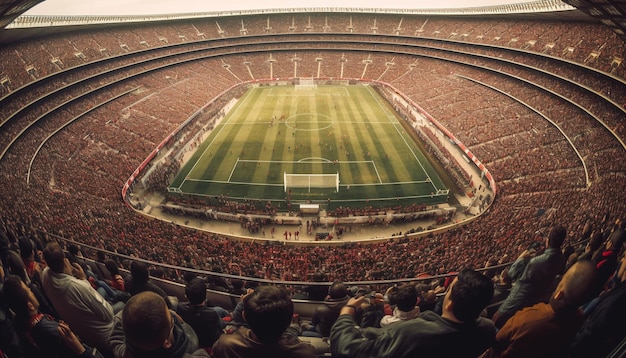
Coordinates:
(150,7)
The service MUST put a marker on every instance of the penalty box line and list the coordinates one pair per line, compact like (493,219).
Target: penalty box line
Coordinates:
(371,162)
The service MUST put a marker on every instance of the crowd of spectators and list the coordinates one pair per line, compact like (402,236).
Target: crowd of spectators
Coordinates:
(75,188)
(568,300)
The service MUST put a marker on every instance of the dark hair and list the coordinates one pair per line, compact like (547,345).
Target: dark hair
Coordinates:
(337,290)
(139,272)
(26,247)
(17,299)
(268,312)
(405,297)
(55,257)
(595,241)
(112,267)
(73,249)
(145,322)
(617,239)
(195,290)
(15,265)
(471,293)
(557,236)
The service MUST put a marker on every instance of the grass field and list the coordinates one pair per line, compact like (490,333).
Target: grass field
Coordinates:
(349,130)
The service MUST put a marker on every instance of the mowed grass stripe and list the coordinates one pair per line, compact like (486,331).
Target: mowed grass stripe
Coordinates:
(351,112)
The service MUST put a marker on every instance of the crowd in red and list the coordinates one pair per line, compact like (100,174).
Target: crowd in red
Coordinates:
(74,191)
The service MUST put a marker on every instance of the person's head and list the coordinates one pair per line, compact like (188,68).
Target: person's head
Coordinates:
(557,236)
(139,272)
(405,297)
(55,257)
(595,241)
(268,311)
(100,256)
(15,265)
(147,322)
(111,267)
(468,295)
(195,290)
(27,249)
(616,239)
(319,276)
(19,298)
(337,290)
(576,287)
(73,249)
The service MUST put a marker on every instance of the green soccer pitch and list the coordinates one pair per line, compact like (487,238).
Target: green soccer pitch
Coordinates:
(346,130)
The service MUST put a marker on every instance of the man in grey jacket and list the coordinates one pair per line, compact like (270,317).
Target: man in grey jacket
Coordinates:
(458,332)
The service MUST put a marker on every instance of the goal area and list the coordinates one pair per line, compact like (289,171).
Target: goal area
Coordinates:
(308,181)
(305,84)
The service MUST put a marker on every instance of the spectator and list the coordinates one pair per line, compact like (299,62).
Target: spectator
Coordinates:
(147,328)
(606,261)
(41,335)
(604,328)
(546,329)
(427,298)
(404,298)
(458,332)
(536,278)
(317,292)
(502,289)
(27,253)
(10,343)
(117,280)
(140,281)
(326,314)
(204,320)
(75,300)
(268,312)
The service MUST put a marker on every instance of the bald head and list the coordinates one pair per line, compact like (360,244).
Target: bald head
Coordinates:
(576,287)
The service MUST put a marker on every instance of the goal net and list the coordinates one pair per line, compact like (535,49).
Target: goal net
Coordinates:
(309,181)
(306,84)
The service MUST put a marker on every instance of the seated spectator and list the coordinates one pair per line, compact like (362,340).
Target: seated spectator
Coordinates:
(237,286)
(147,328)
(594,243)
(604,328)
(535,276)
(41,334)
(502,289)
(117,280)
(76,302)
(268,312)
(27,253)
(547,329)
(204,320)
(606,261)
(317,292)
(15,266)
(404,298)
(458,332)
(139,281)
(10,343)
(427,298)
(326,314)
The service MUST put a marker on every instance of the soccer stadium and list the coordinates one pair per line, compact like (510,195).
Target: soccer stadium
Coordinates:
(302,147)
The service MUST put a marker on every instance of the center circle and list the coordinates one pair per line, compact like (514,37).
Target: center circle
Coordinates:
(309,122)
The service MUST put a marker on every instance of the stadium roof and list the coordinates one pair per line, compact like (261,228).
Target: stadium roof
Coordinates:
(611,13)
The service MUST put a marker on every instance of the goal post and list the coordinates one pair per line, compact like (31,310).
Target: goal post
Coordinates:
(309,181)
(306,84)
